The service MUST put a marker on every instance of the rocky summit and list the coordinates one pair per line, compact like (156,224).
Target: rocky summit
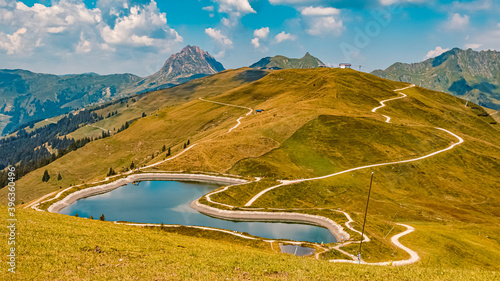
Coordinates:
(191,62)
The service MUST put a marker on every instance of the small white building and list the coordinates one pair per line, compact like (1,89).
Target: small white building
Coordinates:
(345,65)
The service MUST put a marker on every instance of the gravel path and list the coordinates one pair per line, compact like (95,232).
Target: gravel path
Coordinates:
(336,229)
(238,121)
(289,182)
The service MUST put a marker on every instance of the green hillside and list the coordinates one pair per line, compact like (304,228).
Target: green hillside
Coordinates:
(471,75)
(314,122)
(27,96)
(169,122)
(282,62)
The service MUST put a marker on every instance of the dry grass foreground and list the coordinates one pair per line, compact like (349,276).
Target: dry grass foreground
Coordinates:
(55,247)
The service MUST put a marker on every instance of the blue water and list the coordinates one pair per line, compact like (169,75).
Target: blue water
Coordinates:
(168,202)
(297,250)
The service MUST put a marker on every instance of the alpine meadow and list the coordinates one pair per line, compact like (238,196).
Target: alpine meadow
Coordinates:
(251,161)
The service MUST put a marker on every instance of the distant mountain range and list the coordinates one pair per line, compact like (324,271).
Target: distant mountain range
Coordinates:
(469,74)
(282,62)
(27,97)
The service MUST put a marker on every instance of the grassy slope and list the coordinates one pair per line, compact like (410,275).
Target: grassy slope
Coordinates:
(290,99)
(174,124)
(132,253)
(456,188)
(465,179)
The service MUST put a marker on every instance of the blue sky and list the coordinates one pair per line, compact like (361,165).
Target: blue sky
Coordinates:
(137,36)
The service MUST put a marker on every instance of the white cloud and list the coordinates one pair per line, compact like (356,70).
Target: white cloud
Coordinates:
(392,2)
(319,11)
(219,37)
(84,46)
(324,26)
(235,9)
(60,25)
(457,21)
(12,43)
(283,36)
(479,5)
(232,6)
(321,21)
(228,23)
(472,46)
(261,33)
(255,42)
(7,3)
(436,52)
(144,26)
(66,35)
(280,2)
(487,38)
(55,30)
(208,8)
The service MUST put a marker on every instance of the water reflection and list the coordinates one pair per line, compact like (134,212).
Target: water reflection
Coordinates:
(168,202)
(297,250)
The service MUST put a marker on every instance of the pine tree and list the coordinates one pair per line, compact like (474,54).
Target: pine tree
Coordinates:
(59,177)
(111,172)
(168,152)
(152,155)
(144,114)
(76,214)
(188,142)
(163,148)
(185,146)
(103,218)
(46,176)
(132,165)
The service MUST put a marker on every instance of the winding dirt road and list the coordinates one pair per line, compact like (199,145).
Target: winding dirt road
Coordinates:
(238,121)
(289,182)
(395,239)
(414,257)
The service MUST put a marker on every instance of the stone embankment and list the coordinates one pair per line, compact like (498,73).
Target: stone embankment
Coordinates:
(73,197)
(336,229)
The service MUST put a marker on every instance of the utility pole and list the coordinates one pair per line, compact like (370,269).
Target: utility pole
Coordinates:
(364,222)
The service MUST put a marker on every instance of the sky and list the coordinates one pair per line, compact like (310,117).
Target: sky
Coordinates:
(137,36)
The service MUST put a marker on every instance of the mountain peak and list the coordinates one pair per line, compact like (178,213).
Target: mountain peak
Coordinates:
(282,62)
(192,49)
(191,62)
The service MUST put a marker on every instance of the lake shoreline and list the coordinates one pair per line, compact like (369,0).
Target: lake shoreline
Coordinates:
(99,189)
(335,229)
(256,216)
